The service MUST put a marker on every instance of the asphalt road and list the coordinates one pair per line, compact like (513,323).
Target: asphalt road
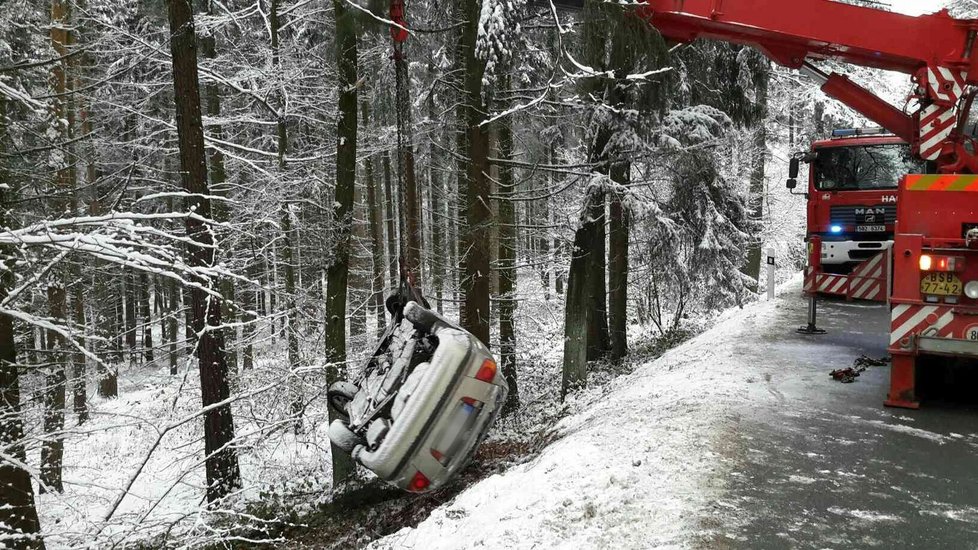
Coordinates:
(825,465)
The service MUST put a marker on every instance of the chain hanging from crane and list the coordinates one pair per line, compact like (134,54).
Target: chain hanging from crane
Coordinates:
(399,35)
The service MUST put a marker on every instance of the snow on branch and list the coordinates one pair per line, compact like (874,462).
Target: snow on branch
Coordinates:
(590,72)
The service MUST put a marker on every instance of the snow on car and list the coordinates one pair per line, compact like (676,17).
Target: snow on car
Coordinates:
(426,399)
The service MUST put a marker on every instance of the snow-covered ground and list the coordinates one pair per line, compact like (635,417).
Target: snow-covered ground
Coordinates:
(735,439)
(153,429)
(634,469)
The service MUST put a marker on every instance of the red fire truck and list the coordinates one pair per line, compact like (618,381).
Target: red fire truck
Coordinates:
(934,302)
(852,194)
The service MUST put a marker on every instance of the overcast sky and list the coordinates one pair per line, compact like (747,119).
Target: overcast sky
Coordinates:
(915,7)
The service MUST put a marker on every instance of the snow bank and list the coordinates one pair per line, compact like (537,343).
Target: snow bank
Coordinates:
(634,469)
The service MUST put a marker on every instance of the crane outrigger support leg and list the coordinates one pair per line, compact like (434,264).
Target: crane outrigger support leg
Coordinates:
(811,329)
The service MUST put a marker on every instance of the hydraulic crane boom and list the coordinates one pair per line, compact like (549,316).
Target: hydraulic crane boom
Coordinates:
(938,51)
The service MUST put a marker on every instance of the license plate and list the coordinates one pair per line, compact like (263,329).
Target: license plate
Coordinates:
(457,432)
(941,284)
(870,229)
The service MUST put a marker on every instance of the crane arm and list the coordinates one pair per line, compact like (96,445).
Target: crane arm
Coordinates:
(938,51)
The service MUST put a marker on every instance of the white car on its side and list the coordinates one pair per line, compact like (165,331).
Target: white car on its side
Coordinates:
(424,403)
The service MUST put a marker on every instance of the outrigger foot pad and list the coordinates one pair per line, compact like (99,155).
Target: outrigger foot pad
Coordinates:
(810,329)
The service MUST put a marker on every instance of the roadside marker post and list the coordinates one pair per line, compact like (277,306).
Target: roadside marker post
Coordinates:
(770,272)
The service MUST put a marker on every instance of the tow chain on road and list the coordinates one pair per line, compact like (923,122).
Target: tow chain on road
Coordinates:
(848,375)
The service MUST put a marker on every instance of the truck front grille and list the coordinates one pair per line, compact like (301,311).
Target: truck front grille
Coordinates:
(863,215)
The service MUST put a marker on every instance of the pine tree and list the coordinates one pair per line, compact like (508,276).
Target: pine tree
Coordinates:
(337,272)
(221,459)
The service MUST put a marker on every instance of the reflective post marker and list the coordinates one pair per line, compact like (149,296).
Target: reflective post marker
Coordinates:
(769,253)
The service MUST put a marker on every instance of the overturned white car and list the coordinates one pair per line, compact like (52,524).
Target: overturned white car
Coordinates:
(422,405)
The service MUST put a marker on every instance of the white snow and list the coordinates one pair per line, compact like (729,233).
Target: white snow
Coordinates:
(631,470)
(865,515)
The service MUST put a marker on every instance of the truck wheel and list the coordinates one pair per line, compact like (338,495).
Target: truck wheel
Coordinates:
(339,396)
(343,437)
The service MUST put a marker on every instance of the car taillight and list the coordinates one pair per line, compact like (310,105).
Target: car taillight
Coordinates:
(419,482)
(487,372)
(929,262)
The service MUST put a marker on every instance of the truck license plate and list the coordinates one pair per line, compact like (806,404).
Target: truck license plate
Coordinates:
(870,229)
(941,284)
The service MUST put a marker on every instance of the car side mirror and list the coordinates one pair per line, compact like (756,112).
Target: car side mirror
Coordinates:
(791,184)
(793,166)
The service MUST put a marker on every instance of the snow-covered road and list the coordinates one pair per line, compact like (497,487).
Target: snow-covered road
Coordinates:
(736,439)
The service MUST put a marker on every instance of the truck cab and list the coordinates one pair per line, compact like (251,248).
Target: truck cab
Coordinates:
(852,194)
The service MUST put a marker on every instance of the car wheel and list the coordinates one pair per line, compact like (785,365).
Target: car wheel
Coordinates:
(343,437)
(340,395)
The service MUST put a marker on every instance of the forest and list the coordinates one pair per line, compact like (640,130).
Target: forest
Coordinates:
(206,203)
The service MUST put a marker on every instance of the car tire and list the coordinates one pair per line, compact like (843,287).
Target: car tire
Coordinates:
(339,396)
(343,437)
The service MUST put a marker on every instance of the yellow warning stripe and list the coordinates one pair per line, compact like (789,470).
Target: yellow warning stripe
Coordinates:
(942,182)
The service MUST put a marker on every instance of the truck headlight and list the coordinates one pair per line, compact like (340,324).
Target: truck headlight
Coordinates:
(971,290)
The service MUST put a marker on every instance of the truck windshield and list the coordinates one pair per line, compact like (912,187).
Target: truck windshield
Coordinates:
(863,167)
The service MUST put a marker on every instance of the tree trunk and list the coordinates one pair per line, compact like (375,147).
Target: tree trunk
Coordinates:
(359,297)
(78,390)
(578,306)
(390,199)
(130,310)
(173,323)
(375,211)
(272,274)
(78,377)
(440,255)
(53,446)
(218,184)
(507,268)
(17,510)
(478,213)
(146,317)
(598,344)
(753,268)
(290,320)
(108,380)
(223,475)
(55,380)
(337,272)
(618,266)
(558,257)
(543,244)
(406,177)
(249,304)
(458,214)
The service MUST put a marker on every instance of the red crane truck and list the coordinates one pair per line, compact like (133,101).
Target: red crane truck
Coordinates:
(852,195)
(934,302)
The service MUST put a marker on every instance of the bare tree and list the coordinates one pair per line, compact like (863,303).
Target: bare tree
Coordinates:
(223,475)
(338,270)
(476,240)
(618,264)
(17,510)
(507,267)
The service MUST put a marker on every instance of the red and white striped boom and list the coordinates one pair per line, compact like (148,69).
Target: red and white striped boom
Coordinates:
(938,51)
